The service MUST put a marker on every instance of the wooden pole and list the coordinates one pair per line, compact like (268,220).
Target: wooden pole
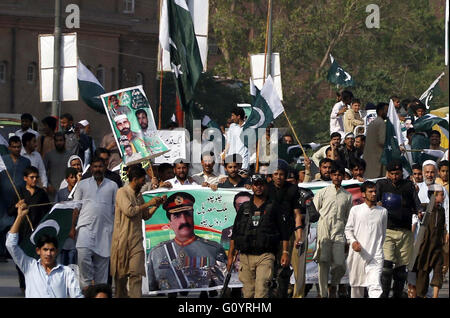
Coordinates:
(160,89)
(296,137)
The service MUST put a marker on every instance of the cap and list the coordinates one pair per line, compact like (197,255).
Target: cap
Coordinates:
(347,171)
(179,202)
(257,178)
(429,162)
(394,165)
(350,135)
(435,187)
(299,167)
(120,117)
(83,122)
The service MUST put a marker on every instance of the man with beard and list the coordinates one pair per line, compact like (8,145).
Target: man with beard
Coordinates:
(124,127)
(54,162)
(207,176)
(180,170)
(188,260)
(148,132)
(127,251)
(95,224)
(234,180)
(324,170)
(399,197)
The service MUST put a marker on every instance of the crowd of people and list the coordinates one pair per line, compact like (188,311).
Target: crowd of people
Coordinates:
(373,242)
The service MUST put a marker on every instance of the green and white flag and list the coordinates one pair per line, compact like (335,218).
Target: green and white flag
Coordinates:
(176,35)
(426,123)
(266,108)
(57,222)
(90,88)
(433,90)
(338,76)
(393,140)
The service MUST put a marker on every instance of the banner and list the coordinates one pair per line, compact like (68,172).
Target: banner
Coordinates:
(200,265)
(133,125)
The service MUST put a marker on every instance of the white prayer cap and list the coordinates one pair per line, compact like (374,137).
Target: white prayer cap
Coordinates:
(435,187)
(349,172)
(350,135)
(429,162)
(120,117)
(83,122)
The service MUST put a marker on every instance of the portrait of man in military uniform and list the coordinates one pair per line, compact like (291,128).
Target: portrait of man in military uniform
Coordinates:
(187,261)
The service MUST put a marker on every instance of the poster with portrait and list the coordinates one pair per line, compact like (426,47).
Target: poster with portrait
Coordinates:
(182,257)
(133,125)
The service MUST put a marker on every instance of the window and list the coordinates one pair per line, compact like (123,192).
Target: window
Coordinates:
(139,79)
(100,74)
(31,73)
(2,72)
(128,6)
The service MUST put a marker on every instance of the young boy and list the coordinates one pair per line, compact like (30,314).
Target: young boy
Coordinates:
(443,174)
(352,118)
(430,257)
(68,254)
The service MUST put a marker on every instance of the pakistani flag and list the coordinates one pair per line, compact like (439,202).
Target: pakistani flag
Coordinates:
(176,35)
(426,123)
(266,108)
(90,88)
(337,75)
(57,222)
(433,90)
(393,140)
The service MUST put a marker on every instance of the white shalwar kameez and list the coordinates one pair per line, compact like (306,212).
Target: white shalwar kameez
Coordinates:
(368,227)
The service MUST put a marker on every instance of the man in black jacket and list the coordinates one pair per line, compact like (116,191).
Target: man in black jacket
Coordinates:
(400,198)
(257,232)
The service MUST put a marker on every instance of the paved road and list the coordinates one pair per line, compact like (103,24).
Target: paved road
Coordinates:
(9,285)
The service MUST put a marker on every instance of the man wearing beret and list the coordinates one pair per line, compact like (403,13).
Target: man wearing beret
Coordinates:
(399,197)
(187,261)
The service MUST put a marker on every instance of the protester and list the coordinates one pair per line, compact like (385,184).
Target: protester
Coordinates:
(333,203)
(54,163)
(30,194)
(399,197)
(257,232)
(207,176)
(375,138)
(44,278)
(29,151)
(360,143)
(352,118)
(233,180)
(286,196)
(348,151)
(105,155)
(357,168)
(76,163)
(71,140)
(435,141)
(127,251)
(86,140)
(98,291)
(68,254)
(324,170)
(443,174)
(417,175)
(45,141)
(181,172)
(335,140)
(338,111)
(26,120)
(234,144)
(109,142)
(95,224)
(365,231)
(431,256)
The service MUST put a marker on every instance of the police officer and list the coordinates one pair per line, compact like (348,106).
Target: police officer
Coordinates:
(187,261)
(400,198)
(257,232)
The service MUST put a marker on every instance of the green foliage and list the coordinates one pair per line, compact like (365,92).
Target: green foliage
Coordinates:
(403,57)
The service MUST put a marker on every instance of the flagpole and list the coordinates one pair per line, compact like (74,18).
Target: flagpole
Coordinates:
(160,89)
(18,196)
(295,134)
(267,40)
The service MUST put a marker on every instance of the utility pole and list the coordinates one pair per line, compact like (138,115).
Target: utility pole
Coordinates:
(56,102)
(269,42)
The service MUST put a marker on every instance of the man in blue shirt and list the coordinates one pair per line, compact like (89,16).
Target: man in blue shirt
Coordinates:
(44,277)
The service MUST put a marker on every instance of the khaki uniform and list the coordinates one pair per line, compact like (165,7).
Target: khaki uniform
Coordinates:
(351,120)
(127,250)
(255,273)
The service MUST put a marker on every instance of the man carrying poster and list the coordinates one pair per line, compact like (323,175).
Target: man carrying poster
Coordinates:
(187,261)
